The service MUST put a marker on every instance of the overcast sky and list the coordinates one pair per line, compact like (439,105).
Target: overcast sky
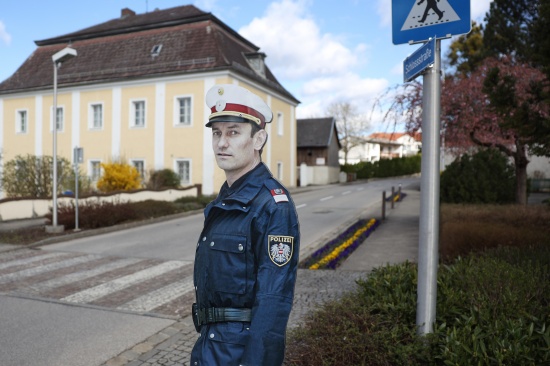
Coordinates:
(322,51)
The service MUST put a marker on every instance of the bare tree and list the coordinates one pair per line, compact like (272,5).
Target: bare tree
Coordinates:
(351,126)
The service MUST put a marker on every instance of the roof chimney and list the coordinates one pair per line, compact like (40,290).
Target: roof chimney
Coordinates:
(126,12)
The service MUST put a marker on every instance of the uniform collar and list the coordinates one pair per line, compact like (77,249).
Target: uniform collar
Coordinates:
(246,187)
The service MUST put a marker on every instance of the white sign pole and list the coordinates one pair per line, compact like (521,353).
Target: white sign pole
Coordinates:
(429,197)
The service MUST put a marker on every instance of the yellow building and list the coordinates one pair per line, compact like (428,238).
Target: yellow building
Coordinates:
(135,91)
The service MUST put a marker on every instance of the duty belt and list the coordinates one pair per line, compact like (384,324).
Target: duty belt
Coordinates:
(216,315)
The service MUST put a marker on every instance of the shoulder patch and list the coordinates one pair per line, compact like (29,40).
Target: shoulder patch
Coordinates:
(280,248)
(279,195)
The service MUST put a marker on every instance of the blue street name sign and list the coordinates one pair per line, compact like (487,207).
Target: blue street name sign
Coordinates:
(419,61)
(415,21)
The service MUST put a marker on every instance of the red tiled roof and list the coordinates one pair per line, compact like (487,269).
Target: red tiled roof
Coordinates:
(120,49)
(394,136)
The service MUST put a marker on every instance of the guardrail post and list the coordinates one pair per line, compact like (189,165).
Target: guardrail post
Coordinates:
(392,196)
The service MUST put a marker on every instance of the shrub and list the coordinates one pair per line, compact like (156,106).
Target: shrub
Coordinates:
(485,177)
(118,176)
(165,178)
(492,309)
(31,176)
(385,167)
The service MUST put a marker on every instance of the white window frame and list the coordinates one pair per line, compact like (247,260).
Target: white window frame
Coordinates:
(177,115)
(93,176)
(133,111)
(183,182)
(61,122)
(280,123)
(21,126)
(134,162)
(91,116)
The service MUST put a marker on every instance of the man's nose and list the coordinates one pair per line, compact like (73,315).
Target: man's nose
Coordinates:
(222,141)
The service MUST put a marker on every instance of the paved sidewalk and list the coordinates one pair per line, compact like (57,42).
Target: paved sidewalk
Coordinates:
(394,241)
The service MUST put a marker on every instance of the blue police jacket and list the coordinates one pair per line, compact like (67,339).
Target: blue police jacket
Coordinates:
(247,257)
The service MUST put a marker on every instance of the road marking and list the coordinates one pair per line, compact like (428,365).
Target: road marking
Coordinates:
(360,189)
(104,289)
(326,198)
(345,193)
(30,260)
(46,268)
(302,205)
(80,276)
(160,296)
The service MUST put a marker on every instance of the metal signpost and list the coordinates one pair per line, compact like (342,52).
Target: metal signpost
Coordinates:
(428,21)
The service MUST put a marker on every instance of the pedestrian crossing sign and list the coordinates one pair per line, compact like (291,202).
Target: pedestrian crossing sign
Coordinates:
(415,21)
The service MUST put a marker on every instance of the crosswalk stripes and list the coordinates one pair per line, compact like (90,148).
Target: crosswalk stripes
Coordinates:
(162,287)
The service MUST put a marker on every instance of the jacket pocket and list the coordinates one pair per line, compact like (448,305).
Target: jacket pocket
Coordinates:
(227,268)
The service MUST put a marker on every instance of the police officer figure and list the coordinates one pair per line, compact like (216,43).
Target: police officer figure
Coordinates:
(247,254)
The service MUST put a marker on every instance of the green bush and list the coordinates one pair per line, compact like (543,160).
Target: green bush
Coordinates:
(485,177)
(165,178)
(492,309)
(385,168)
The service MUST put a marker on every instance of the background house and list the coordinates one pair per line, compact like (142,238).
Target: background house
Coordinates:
(135,92)
(318,148)
(381,145)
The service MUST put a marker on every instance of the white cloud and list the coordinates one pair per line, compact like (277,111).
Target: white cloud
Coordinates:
(5,37)
(383,8)
(479,8)
(295,46)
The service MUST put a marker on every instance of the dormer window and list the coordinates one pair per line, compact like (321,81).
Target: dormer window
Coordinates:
(256,61)
(156,50)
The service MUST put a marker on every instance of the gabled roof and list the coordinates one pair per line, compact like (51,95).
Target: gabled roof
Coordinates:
(316,132)
(392,137)
(120,49)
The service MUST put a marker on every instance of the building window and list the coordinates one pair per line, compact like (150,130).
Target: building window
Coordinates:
(95,170)
(279,171)
(96,116)
(280,124)
(138,113)
(140,166)
(183,170)
(182,111)
(22,122)
(58,119)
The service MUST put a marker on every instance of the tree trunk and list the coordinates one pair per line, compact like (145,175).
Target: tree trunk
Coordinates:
(521,162)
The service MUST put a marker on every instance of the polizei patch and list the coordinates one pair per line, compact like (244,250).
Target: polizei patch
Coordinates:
(280,248)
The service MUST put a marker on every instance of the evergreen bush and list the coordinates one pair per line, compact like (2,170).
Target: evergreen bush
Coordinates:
(485,177)
(165,178)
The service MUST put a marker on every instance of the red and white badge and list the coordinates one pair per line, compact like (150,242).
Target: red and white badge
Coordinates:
(279,195)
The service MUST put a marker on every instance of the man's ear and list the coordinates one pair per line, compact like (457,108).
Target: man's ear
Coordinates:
(260,139)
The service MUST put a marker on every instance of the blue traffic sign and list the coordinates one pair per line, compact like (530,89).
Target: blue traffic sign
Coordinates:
(415,21)
(419,61)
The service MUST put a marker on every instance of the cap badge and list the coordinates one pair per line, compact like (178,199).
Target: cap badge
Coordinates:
(220,91)
(220,105)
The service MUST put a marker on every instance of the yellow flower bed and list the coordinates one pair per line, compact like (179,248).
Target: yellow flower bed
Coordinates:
(339,249)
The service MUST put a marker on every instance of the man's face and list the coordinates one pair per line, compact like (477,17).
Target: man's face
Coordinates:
(234,148)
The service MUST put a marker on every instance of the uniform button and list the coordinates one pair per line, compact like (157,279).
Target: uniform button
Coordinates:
(240,247)
(212,244)
(223,204)
(204,239)
(211,335)
(244,207)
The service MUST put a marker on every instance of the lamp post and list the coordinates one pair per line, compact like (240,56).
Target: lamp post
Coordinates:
(58,58)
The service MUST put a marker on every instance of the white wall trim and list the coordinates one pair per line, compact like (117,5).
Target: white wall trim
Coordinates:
(160,111)
(207,153)
(116,123)
(75,121)
(39,125)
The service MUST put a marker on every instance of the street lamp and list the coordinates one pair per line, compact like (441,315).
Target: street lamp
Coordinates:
(58,58)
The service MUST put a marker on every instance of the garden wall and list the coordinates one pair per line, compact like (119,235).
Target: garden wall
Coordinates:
(18,208)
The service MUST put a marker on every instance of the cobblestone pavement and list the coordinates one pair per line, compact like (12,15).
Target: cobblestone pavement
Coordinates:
(173,345)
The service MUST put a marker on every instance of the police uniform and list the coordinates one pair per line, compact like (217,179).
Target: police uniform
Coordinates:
(246,259)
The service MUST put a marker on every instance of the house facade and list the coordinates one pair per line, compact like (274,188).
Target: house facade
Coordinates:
(135,92)
(381,145)
(318,148)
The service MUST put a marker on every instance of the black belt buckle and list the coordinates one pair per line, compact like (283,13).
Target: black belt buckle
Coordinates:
(196,317)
